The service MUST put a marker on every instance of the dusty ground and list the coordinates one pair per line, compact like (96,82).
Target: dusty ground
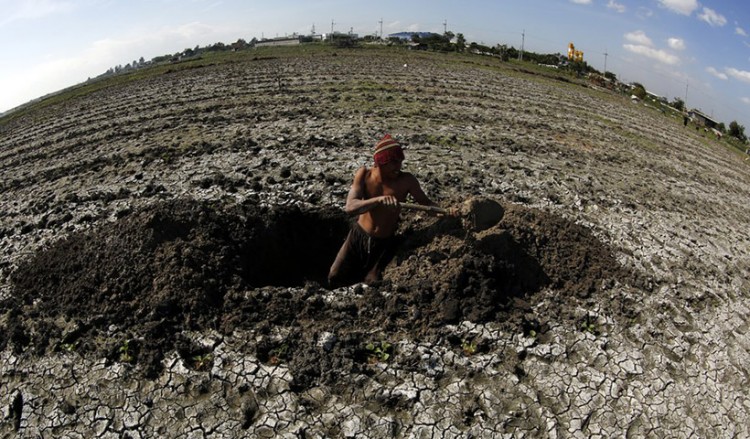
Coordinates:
(164,245)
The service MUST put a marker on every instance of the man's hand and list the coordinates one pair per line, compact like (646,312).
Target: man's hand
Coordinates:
(388,200)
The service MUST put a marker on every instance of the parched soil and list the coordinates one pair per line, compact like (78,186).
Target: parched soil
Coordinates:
(166,243)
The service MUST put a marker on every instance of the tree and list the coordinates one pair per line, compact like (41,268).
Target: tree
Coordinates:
(479,48)
(611,76)
(441,43)
(579,67)
(639,90)
(502,50)
(510,53)
(736,130)
(218,47)
(460,42)
(721,127)
(678,104)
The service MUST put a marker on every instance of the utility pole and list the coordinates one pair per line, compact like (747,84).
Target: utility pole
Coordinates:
(445,27)
(523,40)
(381,28)
(687,83)
(313,29)
(332,23)
(605,61)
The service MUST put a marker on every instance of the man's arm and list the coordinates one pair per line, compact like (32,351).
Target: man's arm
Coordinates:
(415,190)
(355,201)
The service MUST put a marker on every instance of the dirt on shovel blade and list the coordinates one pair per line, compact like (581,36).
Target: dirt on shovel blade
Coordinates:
(482,213)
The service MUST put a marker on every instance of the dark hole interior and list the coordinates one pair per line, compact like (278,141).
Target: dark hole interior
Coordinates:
(294,248)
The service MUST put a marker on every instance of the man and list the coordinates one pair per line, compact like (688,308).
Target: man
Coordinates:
(375,196)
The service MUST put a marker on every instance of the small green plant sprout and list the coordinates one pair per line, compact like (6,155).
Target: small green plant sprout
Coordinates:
(126,356)
(280,352)
(69,347)
(532,333)
(203,362)
(469,348)
(589,325)
(379,352)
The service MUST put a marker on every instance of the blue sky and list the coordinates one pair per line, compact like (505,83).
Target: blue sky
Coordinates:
(691,49)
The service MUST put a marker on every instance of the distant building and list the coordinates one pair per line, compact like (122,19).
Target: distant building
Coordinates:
(700,118)
(282,41)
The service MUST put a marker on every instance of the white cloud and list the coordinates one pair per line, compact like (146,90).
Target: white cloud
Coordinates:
(639,37)
(644,13)
(684,7)
(740,31)
(581,2)
(112,49)
(616,6)
(55,74)
(741,75)
(655,54)
(676,43)
(712,17)
(746,100)
(32,9)
(718,74)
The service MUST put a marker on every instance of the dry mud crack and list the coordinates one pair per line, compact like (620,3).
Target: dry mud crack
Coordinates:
(163,257)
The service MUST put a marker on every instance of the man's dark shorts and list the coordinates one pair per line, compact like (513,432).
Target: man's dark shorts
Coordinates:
(363,258)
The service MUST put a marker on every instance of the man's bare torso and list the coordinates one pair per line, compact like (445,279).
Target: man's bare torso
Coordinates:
(382,221)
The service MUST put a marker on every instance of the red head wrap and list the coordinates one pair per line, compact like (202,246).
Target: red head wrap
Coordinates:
(387,150)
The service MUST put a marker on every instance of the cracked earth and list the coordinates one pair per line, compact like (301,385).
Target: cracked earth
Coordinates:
(164,245)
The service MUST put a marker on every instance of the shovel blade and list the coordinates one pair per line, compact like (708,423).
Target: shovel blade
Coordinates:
(482,213)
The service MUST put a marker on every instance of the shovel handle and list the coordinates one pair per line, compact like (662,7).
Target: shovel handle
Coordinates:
(412,206)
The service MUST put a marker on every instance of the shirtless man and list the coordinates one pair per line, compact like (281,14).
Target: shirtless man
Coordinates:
(374,196)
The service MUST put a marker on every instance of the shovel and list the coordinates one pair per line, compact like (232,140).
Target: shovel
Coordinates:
(423,208)
(481,213)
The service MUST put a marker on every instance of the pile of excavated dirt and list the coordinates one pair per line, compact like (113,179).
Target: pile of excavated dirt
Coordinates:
(186,265)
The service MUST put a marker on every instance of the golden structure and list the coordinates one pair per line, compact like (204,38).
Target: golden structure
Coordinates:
(573,54)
